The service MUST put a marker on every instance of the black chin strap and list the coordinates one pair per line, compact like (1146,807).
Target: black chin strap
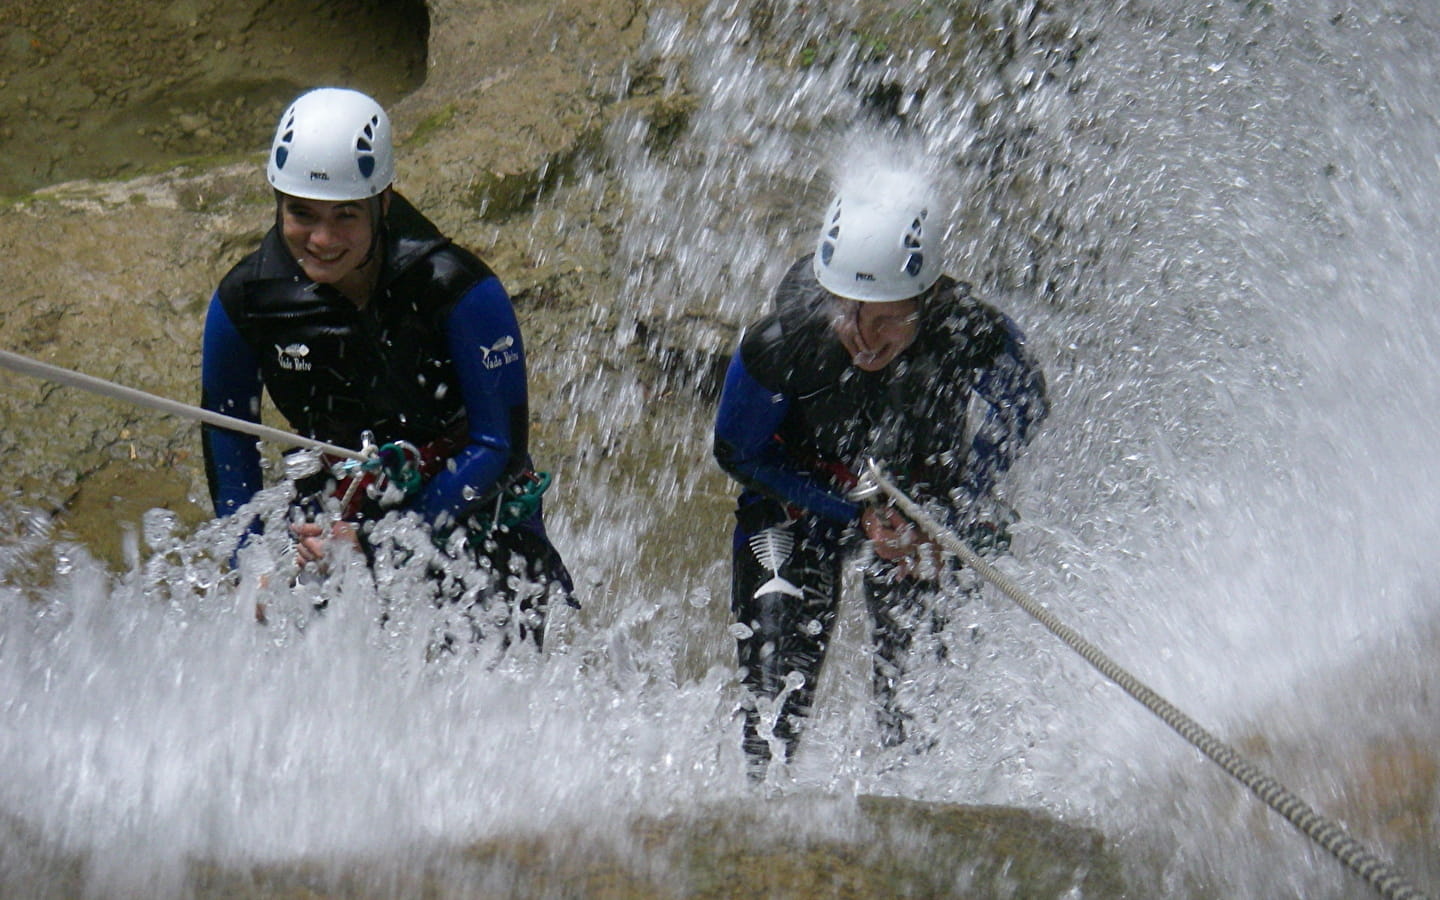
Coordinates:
(376,206)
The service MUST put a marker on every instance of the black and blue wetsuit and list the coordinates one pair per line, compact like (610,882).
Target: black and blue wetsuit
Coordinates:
(435,356)
(796,418)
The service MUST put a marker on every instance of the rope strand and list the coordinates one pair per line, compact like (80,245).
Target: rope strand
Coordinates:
(26,366)
(1376,872)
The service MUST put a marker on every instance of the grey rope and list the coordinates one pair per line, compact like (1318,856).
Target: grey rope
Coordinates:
(1376,872)
(27,366)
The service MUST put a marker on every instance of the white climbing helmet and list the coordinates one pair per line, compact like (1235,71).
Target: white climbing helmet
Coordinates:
(332,144)
(880,240)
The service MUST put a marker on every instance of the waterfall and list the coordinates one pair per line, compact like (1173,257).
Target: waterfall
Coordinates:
(1216,224)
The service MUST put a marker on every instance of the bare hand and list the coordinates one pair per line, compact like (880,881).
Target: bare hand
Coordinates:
(898,541)
(311,540)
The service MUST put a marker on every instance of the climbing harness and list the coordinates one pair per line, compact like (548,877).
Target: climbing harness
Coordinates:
(388,473)
(1376,872)
(392,473)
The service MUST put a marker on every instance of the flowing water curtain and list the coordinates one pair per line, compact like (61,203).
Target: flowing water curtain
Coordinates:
(765,104)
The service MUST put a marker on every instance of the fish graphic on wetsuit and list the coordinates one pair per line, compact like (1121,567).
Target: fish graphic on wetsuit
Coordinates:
(772,548)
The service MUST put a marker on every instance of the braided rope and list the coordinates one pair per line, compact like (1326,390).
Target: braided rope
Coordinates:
(26,366)
(1328,834)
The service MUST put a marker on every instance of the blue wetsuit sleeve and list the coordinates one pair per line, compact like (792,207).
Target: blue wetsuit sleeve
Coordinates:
(1013,390)
(484,341)
(746,447)
(230,384)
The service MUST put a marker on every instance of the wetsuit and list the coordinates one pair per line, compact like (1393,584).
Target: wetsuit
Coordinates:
(434,359)
(796,419)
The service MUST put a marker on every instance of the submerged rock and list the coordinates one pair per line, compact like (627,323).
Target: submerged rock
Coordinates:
(796,849)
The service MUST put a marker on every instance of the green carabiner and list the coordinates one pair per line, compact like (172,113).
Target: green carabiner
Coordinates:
(400,462)
(522,498)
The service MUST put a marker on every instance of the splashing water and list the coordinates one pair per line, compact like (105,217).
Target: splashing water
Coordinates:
(1216,225)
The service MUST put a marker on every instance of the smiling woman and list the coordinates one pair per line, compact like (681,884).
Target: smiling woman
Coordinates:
(333,241)
(110,89)
(331,166)
(875,333)
(362,322)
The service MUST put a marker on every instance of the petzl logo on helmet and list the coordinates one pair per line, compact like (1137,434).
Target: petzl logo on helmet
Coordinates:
(319,176)
(864,276)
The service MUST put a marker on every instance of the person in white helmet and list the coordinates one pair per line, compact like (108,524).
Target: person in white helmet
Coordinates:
(365,324)
(869,352)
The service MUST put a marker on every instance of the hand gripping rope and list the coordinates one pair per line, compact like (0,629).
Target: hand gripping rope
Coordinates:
(1379,874)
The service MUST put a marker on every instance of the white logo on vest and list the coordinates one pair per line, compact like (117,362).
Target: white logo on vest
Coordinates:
(499,353)
(291,357)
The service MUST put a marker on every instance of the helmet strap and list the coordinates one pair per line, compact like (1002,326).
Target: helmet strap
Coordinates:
(378,205)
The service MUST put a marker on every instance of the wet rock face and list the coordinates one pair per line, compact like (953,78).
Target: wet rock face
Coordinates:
(112,89)
(501,111)
(876,847)
(112,277)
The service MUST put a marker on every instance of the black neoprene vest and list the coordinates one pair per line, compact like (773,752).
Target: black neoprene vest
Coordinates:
(912,414)
(335,370)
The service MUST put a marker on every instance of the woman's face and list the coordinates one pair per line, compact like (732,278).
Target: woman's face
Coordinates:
(331,240)
(875,333)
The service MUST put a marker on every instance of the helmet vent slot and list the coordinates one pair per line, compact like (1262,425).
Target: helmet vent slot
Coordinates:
(873,247)
(915,259)
(333,144)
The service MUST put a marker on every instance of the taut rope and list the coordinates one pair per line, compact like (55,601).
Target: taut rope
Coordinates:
(1328,834)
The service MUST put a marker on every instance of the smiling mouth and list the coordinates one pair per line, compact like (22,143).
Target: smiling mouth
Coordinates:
(324,258)
(866,352)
